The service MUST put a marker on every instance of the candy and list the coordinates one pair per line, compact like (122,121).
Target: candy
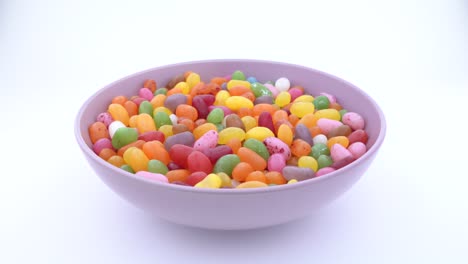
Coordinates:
(153,176)
(124,136)
(119,113)
(258,147)
(319,149)
(105,118)
(241,171)
(285,134)
(184,138)
(340,156)
(301,109)
(321,102)
(215,153)
(324,171)
(238,75)
(324,161)
(256,176)
(172,101)
(296,173)
(265,120)
(342,140)
(300,148)
(101,144)
(283,99)
(320,139)
(326,125)
(208,140)
(343,130)
(358,136)
(251,184)
(234,120)
(259,89)
(276,162)
(156,166)
(282,84)
(226,164)
(274,145)
(274,177)
(216,116)
(161,119)
(354,120)
(136,158)
(237,102)
(259,133)
(251,157)
(195,178)
(302,132)
(98,130)
(308,162)
(357,149)
(198,161)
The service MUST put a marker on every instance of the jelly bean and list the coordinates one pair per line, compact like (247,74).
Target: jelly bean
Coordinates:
(178,175)
(187,111)
(127,168)
(215,153)
(274,91)
(161,119)
(340,156)
(235,144)
(136,144)
(241,171)
(358,136)
(249,122)
(336,106)
(357,149)
(186,122)
(183,87)
(145,93)
(259,133)
(179,154)
(211,181)
(132,122)
(221,98)
(251,157)
(326,125)
(320,139)
(301,109)
(195,178)
(324,171)
(162,91)
(138,101)
(296,173)
(244,112)
(283,99)
(256,176)
(258,147)
(328,113)
(154,150)
(124,136)
(238,75)
(236,102)
(259,89)
(162,109)
(119,113)
(152,176)
(282,84)
(321,102)
(216,116)
(209,99)
(292,181)
(105,118)
(226,164)
(276,162)
(208,140)
(151,85)
(119,100)
(342,113)
(145,123)
(304,98)
(175,119)
(158,101)
(308,162)
(260,108)
(319,149)
(234,83)
(226,110)
(172,166)
(202,129)
(131,107)
(342,140)
(285,134)
(166,130)
(172,101)
(116,160)
(198,161)
(201,106)
(300,148)
(331,98)
(156,166)
(234,120)
(265,120)
(229,133)
(238,90)
(354,120)
(101,144)
(152,135)
(136,158)
(146,107)
(177,79)
(274,177)
(324,161)
(225,180)
(314,131)
(210,88)
(302,132)
(97,131)
(193,79)
(184,138)
(343,130)
(218,80)
(264,99)
(252,79)
(251,184)
(275,145)
(295,93)
(106,153)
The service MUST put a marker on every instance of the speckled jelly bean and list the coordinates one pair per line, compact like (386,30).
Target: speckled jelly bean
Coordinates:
(275,145)
(354,120)
(105,118)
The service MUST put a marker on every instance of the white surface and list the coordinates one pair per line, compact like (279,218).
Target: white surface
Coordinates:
(411,206)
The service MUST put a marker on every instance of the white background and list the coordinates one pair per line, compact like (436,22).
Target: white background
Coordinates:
(411,56)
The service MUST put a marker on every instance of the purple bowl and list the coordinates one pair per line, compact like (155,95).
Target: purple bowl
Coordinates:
(234,208)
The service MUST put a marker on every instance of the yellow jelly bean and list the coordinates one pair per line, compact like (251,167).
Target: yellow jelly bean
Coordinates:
(229,133)
(282,99)
(292,181)
(285,134)
(249,122)
(119,113)
(234,83)
(301,109)
(251,184)
(307,162)
(202,129)
(305,98)
(132,122)
(136,159)
(166,130)
(145,123)
(225,179)
(116,160)
(211,181)
(342,140)
(162,109)
(221,97)
(193,79)
(328,113)
(183,86)
(259,133)
(237,102)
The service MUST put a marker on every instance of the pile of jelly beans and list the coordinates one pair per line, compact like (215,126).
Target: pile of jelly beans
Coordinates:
(230,132)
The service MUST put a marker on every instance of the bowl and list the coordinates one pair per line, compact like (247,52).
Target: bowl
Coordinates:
(231,209)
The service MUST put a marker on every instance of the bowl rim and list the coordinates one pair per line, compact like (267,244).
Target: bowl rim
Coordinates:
(230,191)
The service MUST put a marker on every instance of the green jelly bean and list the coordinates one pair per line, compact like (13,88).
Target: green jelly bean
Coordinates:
(124,136)
(321,102)
(127,167)
(216,116)
(238,75)
(160,91)
(226,164)
(257,146)
(324,161)
(259,90)
(342,113)
(146,107)
(319,149)
(161,119)
(156,166)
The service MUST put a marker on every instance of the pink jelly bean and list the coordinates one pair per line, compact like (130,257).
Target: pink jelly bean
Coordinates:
(324,171)
(138,100)
(102,144)
(145,93)
(208,140)
(340,156)
(153,176)
(105,118)
(272,89)
(330,97)
(357,149)
(295,93)
(358,136)
(326,125)
(276,162)
(275,145)
(354,120)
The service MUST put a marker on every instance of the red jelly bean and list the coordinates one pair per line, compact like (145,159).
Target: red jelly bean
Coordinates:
(179,154)
(198,161)
(215,153)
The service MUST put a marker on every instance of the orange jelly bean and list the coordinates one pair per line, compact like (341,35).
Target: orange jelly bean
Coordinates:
(274,177)
(300,148)
(251,157)
(178,175)
(155,150)
(187,111)
(241,171)
(256,176)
